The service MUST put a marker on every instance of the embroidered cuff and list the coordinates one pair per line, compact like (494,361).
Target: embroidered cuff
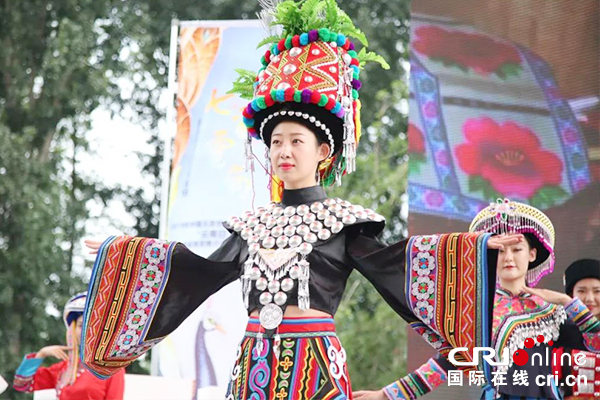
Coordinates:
(29,365)
(425,379)
(581,315)
(574,308)
(394,391)
(432,374)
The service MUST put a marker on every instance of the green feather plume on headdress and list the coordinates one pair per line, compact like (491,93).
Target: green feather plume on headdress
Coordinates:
(297,17)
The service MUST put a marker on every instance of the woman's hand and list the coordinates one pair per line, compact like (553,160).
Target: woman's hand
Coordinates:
(549,295)
(93,245)
(499,242)
(369,395)
(54,351)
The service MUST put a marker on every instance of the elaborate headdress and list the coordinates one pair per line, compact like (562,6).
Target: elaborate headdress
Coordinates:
(507,216)
(74,308)
(310,74)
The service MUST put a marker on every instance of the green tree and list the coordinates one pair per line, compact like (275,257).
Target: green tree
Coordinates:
(37,232)
(60,60)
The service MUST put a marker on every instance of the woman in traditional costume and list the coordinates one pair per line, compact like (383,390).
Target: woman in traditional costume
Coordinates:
(70,379)
(525,320)
(295,255)
(582,280)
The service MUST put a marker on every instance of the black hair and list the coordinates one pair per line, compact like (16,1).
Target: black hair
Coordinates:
(529,239)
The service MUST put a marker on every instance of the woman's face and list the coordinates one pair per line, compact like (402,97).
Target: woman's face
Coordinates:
(295,154)
(514,260)
(588,290)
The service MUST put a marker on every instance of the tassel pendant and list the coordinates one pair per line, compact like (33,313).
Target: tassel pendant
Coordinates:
(246,281)
(276,344)
(303,291)
(246,292)
(249,165)
(259,346)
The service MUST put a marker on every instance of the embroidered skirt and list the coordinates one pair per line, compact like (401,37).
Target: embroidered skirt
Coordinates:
(303,360)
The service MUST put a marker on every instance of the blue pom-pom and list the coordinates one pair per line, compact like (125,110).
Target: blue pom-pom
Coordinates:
(304,39)
(336,108)
(280,95)
(341,39)
(255,106)
(248,121)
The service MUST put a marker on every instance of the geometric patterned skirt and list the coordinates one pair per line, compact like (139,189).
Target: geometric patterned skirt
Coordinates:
(303,361)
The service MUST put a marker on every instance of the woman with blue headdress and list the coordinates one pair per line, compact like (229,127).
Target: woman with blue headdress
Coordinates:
(68,376)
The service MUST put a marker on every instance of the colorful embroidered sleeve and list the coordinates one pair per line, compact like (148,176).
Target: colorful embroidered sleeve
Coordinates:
(143,289)
(440,284)
(420,382)
(587,323)
(449,288)
(29,376)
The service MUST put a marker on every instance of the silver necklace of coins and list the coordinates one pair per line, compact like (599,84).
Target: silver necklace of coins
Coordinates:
(279,240)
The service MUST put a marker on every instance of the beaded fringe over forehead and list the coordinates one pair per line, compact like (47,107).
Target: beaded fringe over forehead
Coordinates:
(507,216)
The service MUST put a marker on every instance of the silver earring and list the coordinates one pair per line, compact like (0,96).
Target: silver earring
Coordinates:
(268,161)
(318,174)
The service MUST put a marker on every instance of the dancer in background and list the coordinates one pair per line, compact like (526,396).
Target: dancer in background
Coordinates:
(70,379)
(582,280)
(521,313)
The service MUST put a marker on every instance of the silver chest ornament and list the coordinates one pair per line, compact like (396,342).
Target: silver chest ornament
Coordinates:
(548,326)
(279,241)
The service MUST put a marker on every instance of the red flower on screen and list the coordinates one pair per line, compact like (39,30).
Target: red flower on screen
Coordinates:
(509,156)
(416,141)
(466,50)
